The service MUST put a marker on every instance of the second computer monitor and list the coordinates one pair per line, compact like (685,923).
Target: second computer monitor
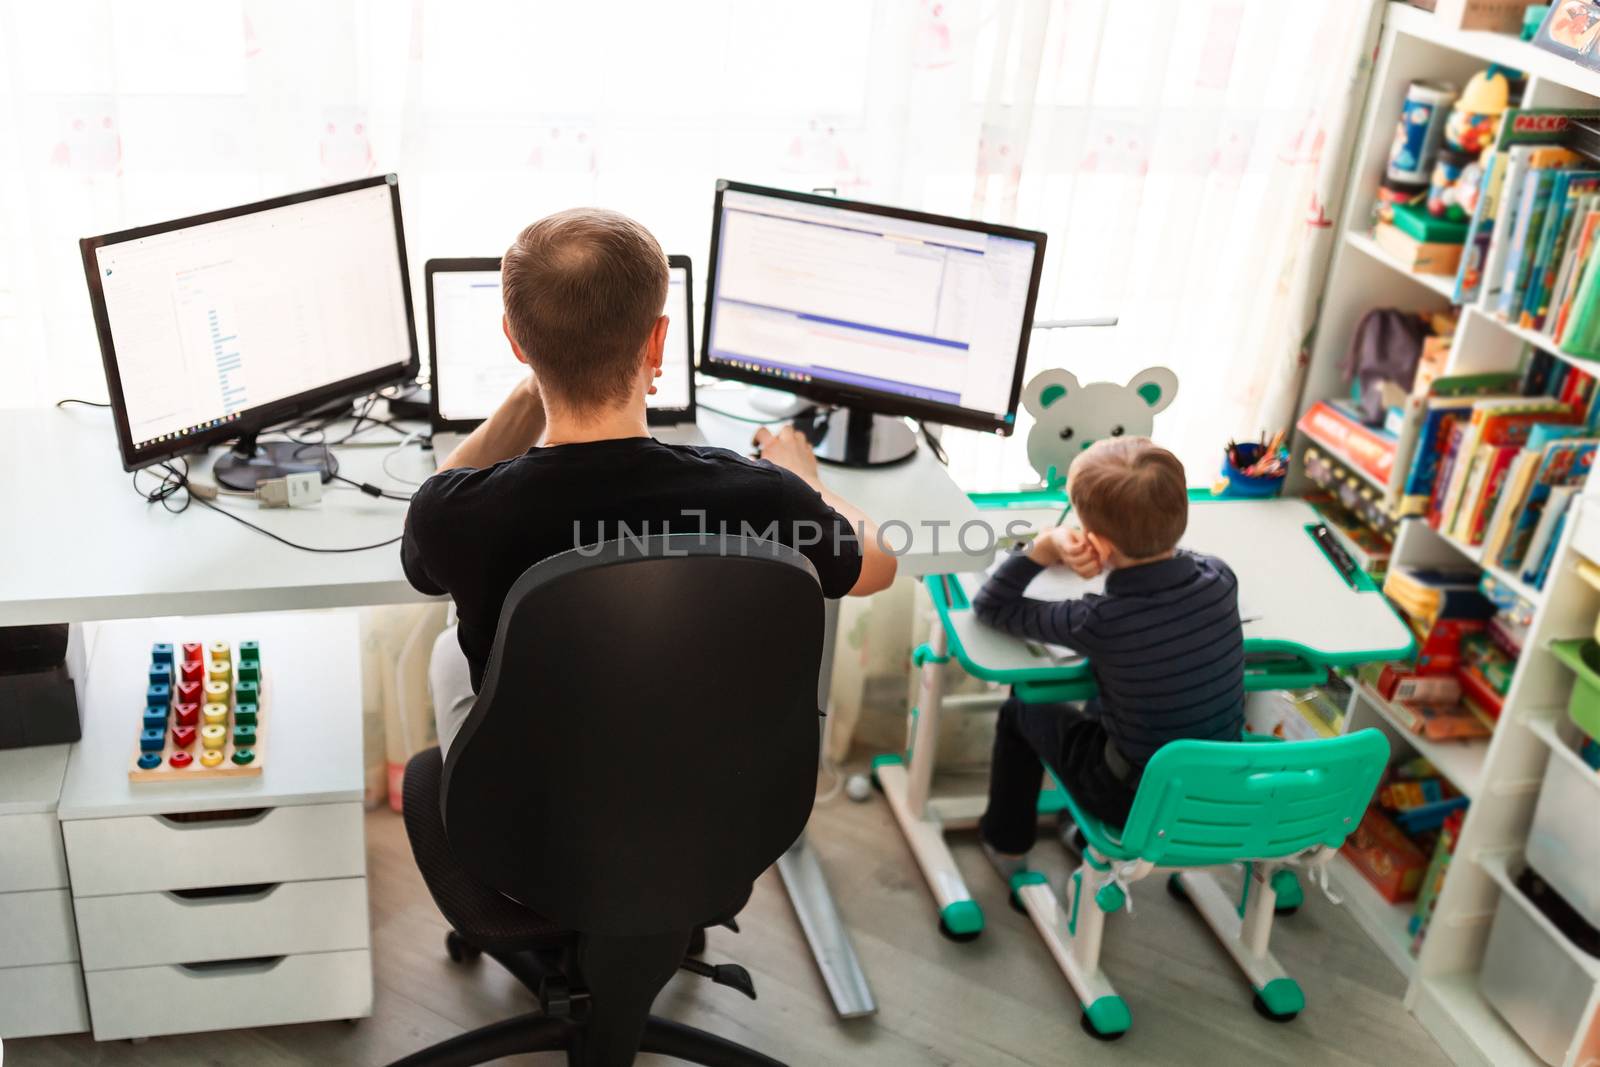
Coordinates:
(875,308)
(472,367)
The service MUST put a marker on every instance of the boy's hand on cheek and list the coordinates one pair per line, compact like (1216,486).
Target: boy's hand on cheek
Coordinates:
(1046,548)
(1079,554)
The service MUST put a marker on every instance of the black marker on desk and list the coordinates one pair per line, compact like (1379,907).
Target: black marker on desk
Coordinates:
(1341,559)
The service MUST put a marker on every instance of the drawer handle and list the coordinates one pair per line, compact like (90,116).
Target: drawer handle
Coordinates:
(224,894)
(218,968)
(190,820)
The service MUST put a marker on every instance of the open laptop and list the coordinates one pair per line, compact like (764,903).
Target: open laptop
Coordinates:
(473,370)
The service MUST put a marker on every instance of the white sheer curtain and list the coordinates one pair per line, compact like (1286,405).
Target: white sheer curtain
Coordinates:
(1185,157)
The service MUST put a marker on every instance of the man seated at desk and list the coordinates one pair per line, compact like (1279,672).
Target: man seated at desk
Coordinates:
(568,460)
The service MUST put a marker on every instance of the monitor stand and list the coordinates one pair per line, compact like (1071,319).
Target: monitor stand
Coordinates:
(250,461)
(851,437)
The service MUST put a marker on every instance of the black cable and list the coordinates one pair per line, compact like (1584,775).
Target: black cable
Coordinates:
(741,418)
(370,489)
(935,445)
(175,481)
(63,402)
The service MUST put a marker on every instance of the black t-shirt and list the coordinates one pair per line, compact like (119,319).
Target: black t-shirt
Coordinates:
(471,533)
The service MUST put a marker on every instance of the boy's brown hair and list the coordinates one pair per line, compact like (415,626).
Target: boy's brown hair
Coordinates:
(1131,492)
(583,289)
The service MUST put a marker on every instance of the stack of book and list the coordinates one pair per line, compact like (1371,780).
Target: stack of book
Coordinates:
(1438,695)
(1531,253)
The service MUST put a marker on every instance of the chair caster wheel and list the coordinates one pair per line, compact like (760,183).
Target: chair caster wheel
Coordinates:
(458,949)
(1016,903)
(697,942)
(1099,1035)
(1290,910)
(1175,889)
(1271,1016)
(951,935)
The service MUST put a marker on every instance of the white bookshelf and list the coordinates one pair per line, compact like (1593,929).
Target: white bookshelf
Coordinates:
(1502,775)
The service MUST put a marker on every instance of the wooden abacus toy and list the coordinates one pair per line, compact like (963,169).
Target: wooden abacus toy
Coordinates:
(204,713)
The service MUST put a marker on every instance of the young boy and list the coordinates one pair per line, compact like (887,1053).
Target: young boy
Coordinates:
(1164,641)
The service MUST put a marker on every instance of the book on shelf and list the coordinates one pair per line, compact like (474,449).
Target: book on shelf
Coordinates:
(1429,594)
(1494,421)
(1546,535)
(1568,190)
(1561,463)
(1529,220)
(1337,427)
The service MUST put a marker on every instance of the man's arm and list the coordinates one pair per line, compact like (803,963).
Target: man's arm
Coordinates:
(515,427)
(789,450)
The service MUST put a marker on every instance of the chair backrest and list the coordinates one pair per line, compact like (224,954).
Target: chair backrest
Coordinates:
(1208,802)
(644,744)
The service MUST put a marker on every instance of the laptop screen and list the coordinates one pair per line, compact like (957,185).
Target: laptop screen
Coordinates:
(474,370)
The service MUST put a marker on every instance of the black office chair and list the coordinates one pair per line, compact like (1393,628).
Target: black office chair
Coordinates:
(643,747)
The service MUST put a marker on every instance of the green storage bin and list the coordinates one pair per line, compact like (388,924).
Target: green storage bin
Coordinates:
(1583,656)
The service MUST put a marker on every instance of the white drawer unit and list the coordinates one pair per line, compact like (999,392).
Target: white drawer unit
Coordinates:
(199,850)
(223,903)
(143,929)
(175,999)
(41,982)
(47,999)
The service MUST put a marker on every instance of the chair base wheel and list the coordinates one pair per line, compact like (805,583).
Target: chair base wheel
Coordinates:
(1271,1016)
(458,949)
(1096,1033)
(1175,889)
(1286,910)
(1016,903)
(951,935)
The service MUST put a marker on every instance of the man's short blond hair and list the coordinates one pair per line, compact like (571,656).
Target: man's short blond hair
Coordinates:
(583,289)
(1131,492)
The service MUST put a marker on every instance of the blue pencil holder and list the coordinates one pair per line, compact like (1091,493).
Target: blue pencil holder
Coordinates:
(1244,486)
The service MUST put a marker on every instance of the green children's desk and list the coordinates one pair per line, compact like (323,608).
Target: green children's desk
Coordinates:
(1301,617)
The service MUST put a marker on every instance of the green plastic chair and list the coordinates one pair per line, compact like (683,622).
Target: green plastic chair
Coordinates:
(1264,803)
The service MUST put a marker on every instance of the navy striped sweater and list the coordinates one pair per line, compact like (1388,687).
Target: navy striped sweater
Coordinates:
(1164,641)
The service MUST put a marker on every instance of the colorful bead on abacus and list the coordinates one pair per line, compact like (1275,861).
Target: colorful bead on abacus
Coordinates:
(244,714)
(189,692)
(249,670)
(215,715)
(155,718)
(247,692)
(152,740)
(211,757)
(244,736)
(193,652)
(218,692)
(160,674)
(186,714)
(159,693)
(242,756)
(193,672)
(219,671)
(161,652)
(180,760)
(149,761)
(213,736)
(221,651)
(183,736)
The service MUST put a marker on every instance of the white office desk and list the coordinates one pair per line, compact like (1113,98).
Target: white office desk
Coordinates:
(80,544)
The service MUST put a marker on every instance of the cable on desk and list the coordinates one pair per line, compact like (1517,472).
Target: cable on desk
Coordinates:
(371,490)
(935,445)
(174,481)
(64,401)
(741,418)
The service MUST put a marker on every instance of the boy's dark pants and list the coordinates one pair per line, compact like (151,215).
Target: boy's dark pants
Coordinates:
(1074,747)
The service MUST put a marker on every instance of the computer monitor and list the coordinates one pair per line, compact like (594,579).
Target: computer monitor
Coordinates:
(882,311)
(219,326)
(472,370)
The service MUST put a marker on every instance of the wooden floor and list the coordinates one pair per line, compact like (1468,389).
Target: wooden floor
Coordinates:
(994,1002)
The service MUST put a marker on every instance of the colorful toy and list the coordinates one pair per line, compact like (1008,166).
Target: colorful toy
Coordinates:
(1420,131)
(1069,417)
(210,723)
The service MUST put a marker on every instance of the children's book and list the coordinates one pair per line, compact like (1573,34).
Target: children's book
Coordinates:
(1580,326)
(1497,421)
(1513,491)
(1567,189)
(1447,471)
(1584,221)
(1524,235)
(1497,467)
(1564,462)
(1546,534)
(1450,396)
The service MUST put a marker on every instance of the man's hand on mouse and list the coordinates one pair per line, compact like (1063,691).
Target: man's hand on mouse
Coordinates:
(789,449)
